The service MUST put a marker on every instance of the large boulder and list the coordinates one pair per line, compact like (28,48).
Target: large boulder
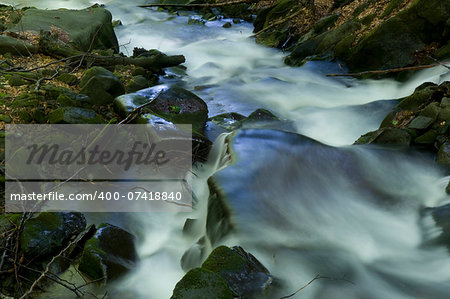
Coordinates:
(85,29)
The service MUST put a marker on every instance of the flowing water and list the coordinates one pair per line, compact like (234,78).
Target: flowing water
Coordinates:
(302,208)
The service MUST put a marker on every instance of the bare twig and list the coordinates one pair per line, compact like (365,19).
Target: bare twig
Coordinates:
(39,82)
(382,72)
(318,276)
(137,111)
(220,4)
(89,49)
(440,63)
(47,269)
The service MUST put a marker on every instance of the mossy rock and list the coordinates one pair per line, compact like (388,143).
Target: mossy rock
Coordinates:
(202,284)
(74,115)
(261,115)
(48,233)
(387,136)
(420,122)
(27,100)
(244,274)
(67,78)
(53,93)
(137,83)
(16,80)
(322,25)
(303,50)
(368,19)
(101,85)
(85,29)
(427,138)
(419,99)
(432,111)
(391,7)
(109,254)
(174,104)
(332,37)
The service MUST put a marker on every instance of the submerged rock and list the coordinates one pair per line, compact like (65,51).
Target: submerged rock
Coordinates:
(109,254)
(232,121)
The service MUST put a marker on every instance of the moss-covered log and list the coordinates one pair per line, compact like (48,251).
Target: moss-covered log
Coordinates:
(53,48)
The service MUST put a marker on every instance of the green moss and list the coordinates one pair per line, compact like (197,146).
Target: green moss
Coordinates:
(443,52)
(393,4)
(5,118)
(322,25)
(368,19)
(224,260)
(34,237)
(417,100)
(342,48)
(16,80)
(202,284)
(361,8)
(91,260)
(67,78)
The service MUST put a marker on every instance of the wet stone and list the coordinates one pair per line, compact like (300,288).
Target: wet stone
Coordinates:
(421,122)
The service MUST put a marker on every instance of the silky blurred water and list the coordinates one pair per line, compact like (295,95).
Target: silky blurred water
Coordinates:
(330,225)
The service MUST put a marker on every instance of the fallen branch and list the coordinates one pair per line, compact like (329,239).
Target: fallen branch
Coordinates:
(39,82)
(55,49)
(219,4)
(382,72)
(437,61)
